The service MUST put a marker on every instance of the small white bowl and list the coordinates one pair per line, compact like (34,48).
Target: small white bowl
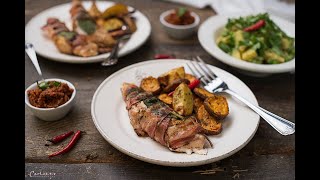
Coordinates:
(51,114)
(179,31)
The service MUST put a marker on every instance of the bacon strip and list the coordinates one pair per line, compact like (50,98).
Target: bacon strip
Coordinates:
(152,118)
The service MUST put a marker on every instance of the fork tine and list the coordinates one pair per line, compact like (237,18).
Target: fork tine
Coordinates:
(201,71)
(193,72)
(200,64)
(208,69)
(199,74)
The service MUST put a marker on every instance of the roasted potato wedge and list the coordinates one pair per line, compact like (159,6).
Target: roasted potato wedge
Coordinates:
(174,85)
(112,24)
(165,98)
(210,124)
(217,106)
(163,80)
(63,45)
(115,10)
(190,77)
(182,100)
(172,75)
(176,73)
(202,93)
(150,84)
(197,103)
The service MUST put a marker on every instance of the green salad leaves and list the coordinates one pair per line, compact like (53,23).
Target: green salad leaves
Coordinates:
(256,39)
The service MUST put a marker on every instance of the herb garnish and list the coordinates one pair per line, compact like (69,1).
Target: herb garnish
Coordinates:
(181,11)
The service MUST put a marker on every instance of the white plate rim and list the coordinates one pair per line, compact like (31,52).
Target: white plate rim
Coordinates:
(153,161)
(84,60)
(219,21)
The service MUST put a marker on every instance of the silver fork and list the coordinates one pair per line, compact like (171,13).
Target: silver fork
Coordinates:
(214,84)
(112,59)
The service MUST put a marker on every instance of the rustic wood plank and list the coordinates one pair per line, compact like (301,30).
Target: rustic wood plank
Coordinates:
(244,167)
(269,155)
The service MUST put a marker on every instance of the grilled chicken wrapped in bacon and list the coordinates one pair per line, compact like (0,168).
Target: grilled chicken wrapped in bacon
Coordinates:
(151,117)
(69,42)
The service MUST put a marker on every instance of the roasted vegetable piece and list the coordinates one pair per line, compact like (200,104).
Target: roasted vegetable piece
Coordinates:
(190,77)
(115,10)
(150,84)
(217,106)
(175,84)
(130,22)
(175,73)
(90,49)
(191,85)
(112,24)
(202,93)
(209,123)
(182,100)
(102,38)
(94,11)
(63,44)
(170,76)
(118,33)
(197,103)
(163,80)
(165,98)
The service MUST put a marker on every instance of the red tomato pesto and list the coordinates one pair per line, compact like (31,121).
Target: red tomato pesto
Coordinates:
(175,19)
(52,97)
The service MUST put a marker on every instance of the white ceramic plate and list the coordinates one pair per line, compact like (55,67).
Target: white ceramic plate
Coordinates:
(210,30)
(46,48)
(111,118)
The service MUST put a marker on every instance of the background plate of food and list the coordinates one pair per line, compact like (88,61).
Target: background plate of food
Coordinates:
(256,44)
(85,32)
(145,124)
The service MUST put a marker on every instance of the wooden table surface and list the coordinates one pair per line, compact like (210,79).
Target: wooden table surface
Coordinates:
(268,155)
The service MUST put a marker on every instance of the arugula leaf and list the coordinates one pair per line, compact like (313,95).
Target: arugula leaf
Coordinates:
(87,25)
(225,47)
(256,46)
(257,60)
(272,61)
(149,101)
(69,35)
(181,11)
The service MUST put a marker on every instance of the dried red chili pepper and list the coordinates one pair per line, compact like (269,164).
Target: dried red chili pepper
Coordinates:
(72,142)
(60,137)
(255,26)
(163,56)
(192,85)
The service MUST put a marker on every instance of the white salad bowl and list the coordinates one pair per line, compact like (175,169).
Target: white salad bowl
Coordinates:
(51,114)
(212,28)
(179,31)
